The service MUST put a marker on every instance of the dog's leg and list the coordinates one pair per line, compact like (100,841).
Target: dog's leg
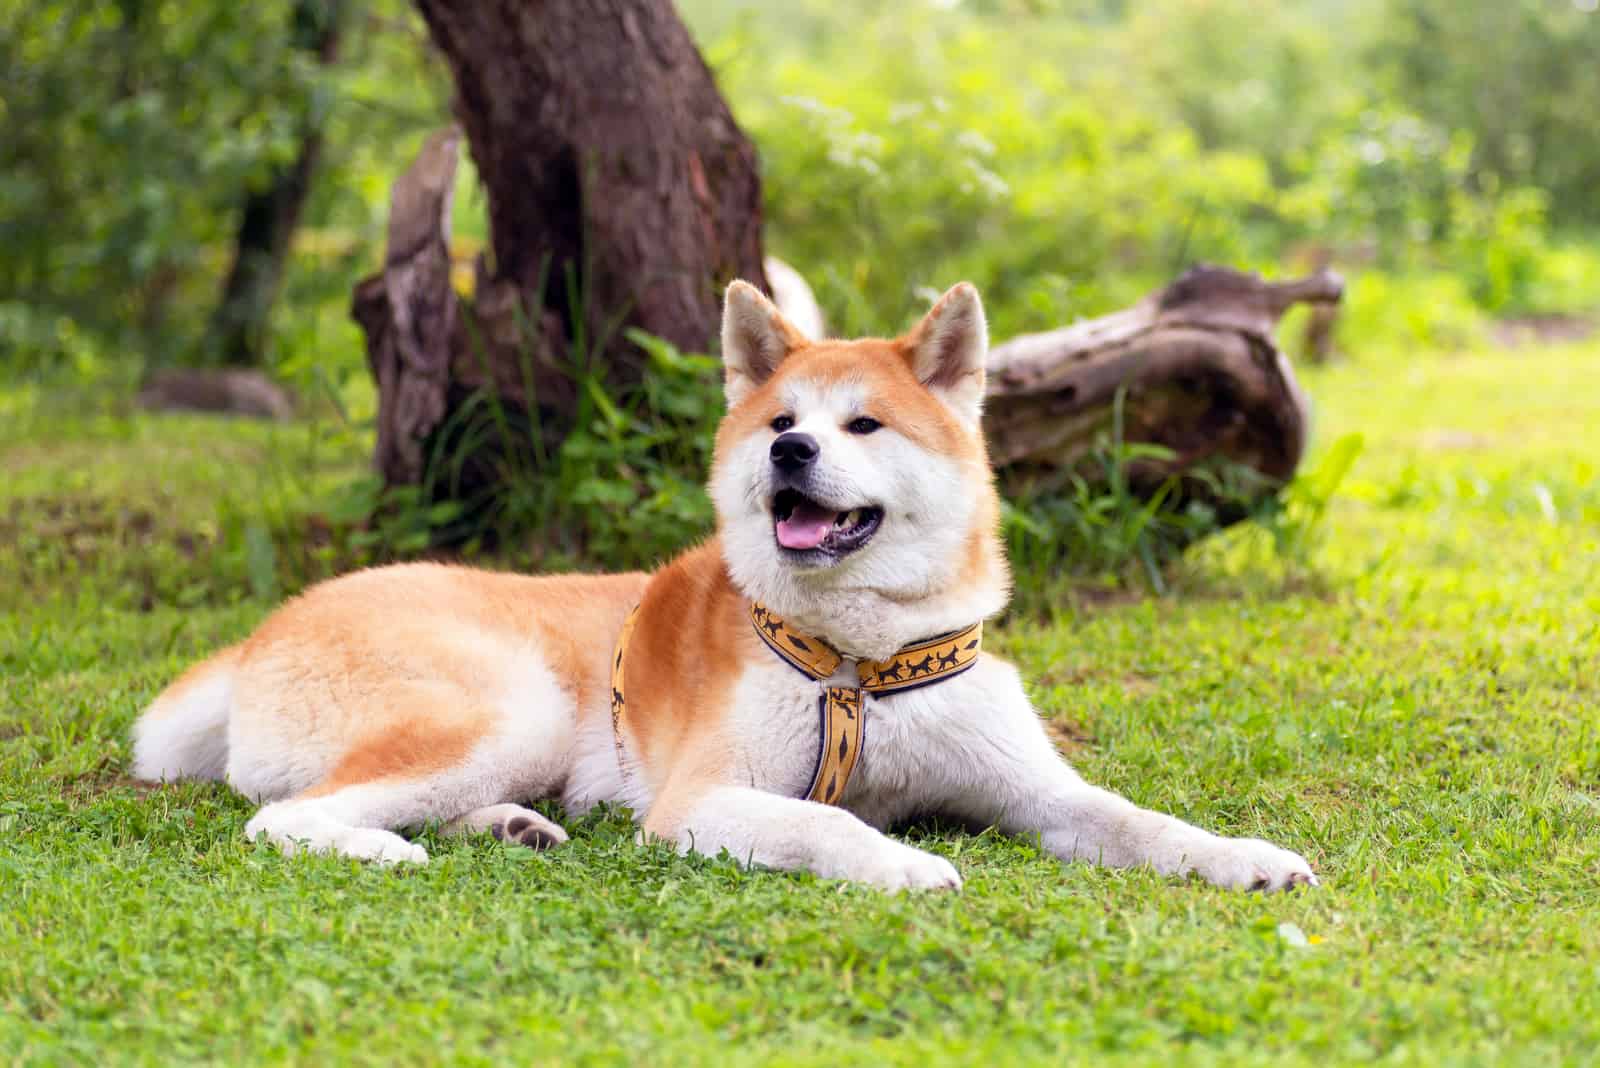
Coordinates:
(510,823)
(355,821)
(350,821)
(784,832)
(419,753)
(399,780)
(1077,821)
(1023,786)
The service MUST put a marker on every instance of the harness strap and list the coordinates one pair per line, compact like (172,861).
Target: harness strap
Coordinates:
(844,727)
(619,704)
(841,709)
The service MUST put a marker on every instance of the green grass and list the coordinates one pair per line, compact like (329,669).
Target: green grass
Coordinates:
(1417,711)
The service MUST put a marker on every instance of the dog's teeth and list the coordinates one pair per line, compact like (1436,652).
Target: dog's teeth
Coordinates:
(839,520)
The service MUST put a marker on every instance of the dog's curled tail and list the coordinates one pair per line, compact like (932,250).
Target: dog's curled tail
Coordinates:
(184,732)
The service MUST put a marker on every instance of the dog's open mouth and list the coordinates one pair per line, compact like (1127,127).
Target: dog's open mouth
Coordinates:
(803,525)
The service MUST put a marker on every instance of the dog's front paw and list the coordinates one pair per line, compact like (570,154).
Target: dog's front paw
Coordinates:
(899,867)
(1251,864)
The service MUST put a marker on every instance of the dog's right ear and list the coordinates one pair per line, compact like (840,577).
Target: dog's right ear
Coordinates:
(755,339)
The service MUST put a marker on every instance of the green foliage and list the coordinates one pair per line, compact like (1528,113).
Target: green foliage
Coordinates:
(624,488)
(1098,524)
(1519,74)
(132,130)
(979,160)
(1397,313)
(1067,157)
(1295,517)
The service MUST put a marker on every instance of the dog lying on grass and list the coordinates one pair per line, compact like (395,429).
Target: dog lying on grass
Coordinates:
(807,677)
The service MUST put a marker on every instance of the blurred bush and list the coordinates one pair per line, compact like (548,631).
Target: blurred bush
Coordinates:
(130,131)
(1067,155)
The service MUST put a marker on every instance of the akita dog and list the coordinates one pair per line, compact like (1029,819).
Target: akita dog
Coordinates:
(806,678)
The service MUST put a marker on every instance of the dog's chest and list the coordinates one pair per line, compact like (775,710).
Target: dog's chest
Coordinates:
(911,742)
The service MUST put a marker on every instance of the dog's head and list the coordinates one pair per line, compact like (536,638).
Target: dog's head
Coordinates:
(857,467)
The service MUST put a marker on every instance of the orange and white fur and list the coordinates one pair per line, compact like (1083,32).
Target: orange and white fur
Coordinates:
(395,697)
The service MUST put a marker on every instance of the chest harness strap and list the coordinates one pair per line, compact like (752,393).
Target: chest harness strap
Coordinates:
(841,709)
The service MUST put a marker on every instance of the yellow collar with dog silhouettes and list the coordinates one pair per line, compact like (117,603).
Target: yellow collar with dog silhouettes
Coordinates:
(841,708)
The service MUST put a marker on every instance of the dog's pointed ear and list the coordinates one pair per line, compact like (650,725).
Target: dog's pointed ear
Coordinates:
(755,339)
(948,348)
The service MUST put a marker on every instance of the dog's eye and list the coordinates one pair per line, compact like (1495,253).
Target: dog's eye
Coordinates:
(782,423)
(863,425)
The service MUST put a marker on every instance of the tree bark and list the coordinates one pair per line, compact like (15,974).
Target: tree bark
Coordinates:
(1198,372)
(409,312)
(238,334)
(620,193)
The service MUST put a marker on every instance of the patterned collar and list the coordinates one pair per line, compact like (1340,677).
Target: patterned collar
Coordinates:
(918,664)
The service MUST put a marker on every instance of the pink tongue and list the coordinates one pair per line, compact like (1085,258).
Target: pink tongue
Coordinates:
(806,526)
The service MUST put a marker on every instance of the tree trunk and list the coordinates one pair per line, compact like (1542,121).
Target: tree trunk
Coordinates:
(620,193)
(238,334)
(1198,373)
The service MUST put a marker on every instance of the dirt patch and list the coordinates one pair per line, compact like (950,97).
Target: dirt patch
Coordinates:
(1136,685)
(95,784)
(1132,683)
(1542,330)
(87,526)
(150,558)
(1444,439)
(1069,737)
(1100,596)
(104,777)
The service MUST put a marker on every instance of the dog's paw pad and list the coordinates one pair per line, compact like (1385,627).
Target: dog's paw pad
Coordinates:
(528,832)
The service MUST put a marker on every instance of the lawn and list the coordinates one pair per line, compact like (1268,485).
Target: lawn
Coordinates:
(1413,705)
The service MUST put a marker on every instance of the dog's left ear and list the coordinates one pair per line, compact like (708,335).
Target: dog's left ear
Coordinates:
(755,338)
(948,348)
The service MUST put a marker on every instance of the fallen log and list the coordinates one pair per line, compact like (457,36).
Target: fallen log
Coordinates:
(1197,371)
(225,391)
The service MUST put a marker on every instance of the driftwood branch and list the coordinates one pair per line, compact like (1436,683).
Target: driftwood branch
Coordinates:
(1197,368)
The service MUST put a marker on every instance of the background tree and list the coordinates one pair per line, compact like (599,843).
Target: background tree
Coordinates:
(620,193)
(271,210)
(613,186)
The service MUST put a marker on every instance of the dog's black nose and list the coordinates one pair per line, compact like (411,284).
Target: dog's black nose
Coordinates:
(792,451)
